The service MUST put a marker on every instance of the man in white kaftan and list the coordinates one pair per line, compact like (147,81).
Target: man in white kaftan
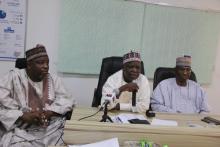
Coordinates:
(22,99)
(122,83)
(179,95)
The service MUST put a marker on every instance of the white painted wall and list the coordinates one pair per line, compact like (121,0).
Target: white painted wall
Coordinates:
(194,4)
(43,27)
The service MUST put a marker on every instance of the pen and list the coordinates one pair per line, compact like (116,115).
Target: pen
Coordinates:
(119,119)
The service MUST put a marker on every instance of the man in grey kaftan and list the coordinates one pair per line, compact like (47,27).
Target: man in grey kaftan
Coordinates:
(170,97)
(179,95)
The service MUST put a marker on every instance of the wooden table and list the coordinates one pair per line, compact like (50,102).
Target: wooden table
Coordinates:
(91,130)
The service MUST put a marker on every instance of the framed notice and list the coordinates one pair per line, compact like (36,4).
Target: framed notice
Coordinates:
(12,28)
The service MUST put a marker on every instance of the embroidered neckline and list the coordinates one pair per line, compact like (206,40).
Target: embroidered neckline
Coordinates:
(181,88)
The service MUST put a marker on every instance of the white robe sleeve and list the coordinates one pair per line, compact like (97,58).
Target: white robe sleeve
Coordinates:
(203,105)
(9,108)
(62,100)
(143,95)
(158,100)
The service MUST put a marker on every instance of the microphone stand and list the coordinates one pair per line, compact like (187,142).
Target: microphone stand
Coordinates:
(105,115)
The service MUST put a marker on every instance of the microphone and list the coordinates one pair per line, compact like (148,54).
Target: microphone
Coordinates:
(134,98)
(108,99)
(106,102)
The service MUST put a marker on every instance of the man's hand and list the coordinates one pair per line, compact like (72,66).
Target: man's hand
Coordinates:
(31,117)
(46,117)
(117,107)
(48,114)
(129,87)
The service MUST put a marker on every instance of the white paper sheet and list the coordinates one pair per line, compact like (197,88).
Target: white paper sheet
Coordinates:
(124,117)
(105,143)
(162,122)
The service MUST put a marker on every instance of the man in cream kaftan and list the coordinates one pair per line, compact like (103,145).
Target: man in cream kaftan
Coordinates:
(19,96)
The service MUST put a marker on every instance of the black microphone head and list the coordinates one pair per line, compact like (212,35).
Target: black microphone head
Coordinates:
(134,92)
(107,102)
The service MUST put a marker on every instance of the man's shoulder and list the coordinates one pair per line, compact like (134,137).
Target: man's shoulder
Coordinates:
(166,84)
(191,82)
(14,74)
(18,72)
(116,75)
(54,76)
(142,77)
(167,81)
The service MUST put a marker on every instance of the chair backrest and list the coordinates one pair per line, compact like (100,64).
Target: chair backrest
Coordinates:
(162,73)
(109,66)
(20,63)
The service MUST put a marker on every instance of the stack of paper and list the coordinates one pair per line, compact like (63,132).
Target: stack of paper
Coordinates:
(124,117)
(161,122)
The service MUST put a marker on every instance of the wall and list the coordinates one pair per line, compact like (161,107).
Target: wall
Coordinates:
(195,4)
(42,27)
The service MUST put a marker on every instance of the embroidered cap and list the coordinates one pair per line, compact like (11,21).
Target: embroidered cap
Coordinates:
(36,52)
(183,61)
(131,56)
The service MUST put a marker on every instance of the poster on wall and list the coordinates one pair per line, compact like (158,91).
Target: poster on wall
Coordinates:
(12,29)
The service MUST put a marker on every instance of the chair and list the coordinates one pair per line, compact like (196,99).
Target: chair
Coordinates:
(109,66)
(162,73)
(22,63)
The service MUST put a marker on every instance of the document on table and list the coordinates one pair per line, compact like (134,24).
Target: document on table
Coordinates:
(124,117)
(105,143)
(162,122)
